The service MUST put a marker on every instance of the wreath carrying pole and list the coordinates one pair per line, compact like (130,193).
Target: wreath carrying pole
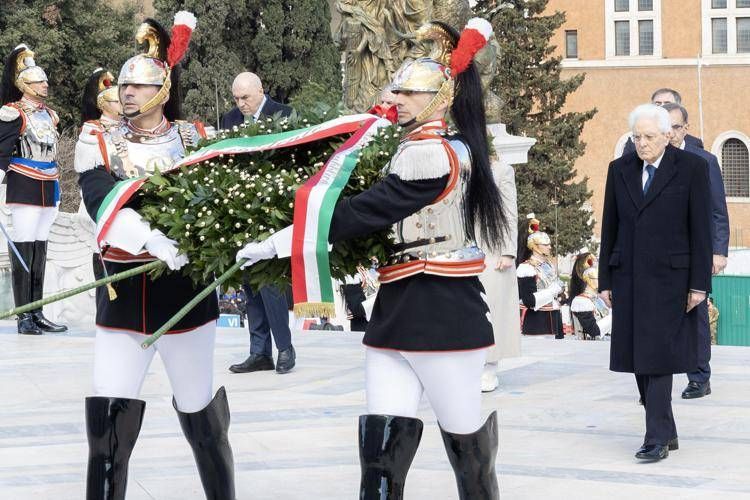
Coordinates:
(190,305)
(83,288)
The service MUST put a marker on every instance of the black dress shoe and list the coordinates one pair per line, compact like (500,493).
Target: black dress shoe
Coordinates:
(696,390)
(652,452)
(46,325)
(253,363)
(286,360)
(673,444)
(26,325)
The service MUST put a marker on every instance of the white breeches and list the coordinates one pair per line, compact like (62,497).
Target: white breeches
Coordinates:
(395,381)
(120,364)
(31,223)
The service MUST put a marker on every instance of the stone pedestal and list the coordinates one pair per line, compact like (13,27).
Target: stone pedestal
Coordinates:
(511,149)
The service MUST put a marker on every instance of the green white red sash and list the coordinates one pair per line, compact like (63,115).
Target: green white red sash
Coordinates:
(313,209)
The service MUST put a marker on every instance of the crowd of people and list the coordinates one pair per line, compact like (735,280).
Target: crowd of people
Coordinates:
(451,300)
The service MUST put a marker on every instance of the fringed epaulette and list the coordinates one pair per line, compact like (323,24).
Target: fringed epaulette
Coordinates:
(418,160)
(582,303)
(9,113)
(88,154)
(525,270)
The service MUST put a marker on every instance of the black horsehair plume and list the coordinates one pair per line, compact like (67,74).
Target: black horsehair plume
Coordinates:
(11,93)
(483,204)
(89,109)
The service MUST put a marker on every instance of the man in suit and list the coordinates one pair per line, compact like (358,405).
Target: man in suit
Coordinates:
(267,309)
(252,103)
(699,383)
(655,267)
(661,97)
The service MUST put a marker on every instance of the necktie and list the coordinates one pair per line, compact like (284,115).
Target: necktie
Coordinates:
(650,169)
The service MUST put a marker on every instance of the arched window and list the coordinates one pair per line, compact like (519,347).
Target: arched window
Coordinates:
(735,163)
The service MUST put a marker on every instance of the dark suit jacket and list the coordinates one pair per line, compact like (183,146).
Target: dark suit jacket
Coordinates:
(654,249)
(270,108)
(720,218)
(689,140)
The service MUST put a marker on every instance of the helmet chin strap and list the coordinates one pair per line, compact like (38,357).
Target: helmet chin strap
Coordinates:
(160,98)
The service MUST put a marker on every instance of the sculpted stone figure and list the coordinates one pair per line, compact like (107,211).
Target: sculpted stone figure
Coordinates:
(376,36)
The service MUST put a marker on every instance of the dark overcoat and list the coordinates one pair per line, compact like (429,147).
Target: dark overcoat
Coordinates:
(654,249)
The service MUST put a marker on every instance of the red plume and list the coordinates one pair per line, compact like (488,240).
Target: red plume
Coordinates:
(534,227)
(473,39)
(184,24)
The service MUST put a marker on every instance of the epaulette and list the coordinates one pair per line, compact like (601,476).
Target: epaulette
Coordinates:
(581,303)
(9,113)
(422,159)
(525,270)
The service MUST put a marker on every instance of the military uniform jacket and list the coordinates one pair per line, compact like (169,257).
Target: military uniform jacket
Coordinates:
(537,319)
(430,309)
(102,159)
(591,316)
(28,149)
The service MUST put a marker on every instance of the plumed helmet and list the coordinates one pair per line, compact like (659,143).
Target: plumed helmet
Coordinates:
(450,55)
(163,52)
(20,72)
(536,236)
(100,89)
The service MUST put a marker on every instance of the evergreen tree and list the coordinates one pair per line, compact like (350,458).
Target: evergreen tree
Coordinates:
(287,43)
(533,92)
(70,38)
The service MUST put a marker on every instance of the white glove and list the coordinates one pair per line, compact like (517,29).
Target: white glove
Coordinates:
(546,296)
(605,325)
(165,250)
(256,251)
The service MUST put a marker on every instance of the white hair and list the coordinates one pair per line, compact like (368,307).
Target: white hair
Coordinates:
(653,112)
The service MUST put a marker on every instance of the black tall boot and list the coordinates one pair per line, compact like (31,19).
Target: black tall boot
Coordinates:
(37,288)
(22,283)
(387,446)
(206,431)
(112,425)
(472,457)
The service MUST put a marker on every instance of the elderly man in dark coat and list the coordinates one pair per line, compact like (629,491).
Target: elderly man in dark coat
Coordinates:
(655,267)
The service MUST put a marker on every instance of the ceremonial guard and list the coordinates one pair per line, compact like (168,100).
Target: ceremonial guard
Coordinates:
(110,164)
(28,151)
(429,330)
(101,111)
(592,319)
(539,287)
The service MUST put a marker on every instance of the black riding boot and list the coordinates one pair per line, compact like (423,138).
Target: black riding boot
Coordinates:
(112,425)
(473,459)
(206,431)
(387,446)
(22,283)
(37,288)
